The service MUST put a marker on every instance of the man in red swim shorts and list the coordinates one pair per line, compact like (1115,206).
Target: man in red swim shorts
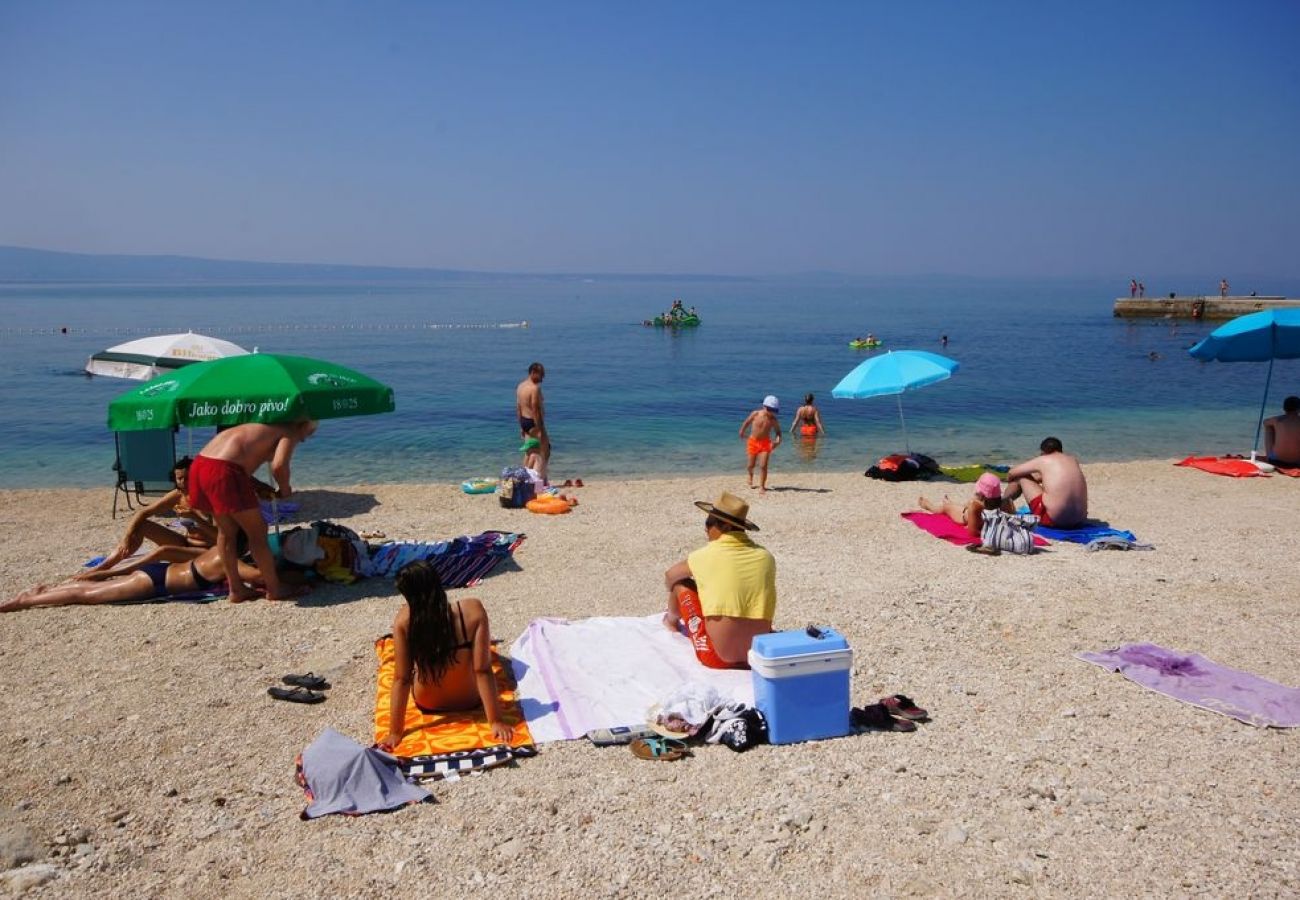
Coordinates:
(724,592)
(221,482)
(764,437)
(1053,485)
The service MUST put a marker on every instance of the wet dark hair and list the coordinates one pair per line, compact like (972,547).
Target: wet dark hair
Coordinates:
(1051,445)
(432,632)
(807,399)
(1291,404)
(535,368)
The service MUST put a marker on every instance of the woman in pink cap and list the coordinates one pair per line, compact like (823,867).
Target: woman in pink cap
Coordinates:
(988,495)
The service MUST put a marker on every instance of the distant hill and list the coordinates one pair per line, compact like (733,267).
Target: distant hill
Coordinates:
(24,264)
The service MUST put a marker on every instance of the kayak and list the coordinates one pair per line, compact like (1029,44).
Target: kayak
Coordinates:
(479,485)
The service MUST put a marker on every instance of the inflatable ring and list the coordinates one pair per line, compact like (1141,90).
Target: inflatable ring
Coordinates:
(479,485)
(548,505)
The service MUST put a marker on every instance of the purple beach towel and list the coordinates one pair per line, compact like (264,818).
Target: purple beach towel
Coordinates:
(1202,682)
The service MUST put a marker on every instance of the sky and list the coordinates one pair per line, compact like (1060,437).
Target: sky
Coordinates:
(1031,139)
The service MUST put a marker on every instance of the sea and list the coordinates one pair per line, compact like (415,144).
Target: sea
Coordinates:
(626,400)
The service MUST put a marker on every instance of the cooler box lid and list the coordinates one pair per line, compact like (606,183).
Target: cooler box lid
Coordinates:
(782,644)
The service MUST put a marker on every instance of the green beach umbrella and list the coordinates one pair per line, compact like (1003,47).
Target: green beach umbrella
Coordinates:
(258,387)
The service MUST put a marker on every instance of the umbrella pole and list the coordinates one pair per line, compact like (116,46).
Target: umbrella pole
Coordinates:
(1263,405)
(906,446)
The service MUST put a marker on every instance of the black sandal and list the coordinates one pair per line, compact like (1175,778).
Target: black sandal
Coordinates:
(295,695)
(311,681)
(876,716)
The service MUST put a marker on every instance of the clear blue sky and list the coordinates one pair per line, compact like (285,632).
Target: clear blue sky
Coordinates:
(1035,138)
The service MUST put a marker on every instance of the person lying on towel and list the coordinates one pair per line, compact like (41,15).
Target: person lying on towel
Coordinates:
(162,572)
(724,592)
(443,655)
(200,531)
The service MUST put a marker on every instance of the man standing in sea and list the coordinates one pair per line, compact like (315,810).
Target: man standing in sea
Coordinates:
(531,413)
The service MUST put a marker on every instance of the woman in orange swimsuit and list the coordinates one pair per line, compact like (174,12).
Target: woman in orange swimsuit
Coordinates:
(443,654)
(807,419)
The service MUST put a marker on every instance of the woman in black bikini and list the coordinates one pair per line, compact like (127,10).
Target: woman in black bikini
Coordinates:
(443,654)
(162,572)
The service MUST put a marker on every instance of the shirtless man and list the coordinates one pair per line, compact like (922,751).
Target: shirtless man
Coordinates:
(222,483)
(532,416)
(1282,435)
(764,437)
(1053,485)
(724,592)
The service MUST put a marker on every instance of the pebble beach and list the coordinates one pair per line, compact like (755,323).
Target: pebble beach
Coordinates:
(143,757)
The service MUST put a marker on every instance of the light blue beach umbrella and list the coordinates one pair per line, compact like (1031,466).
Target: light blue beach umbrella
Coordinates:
(893,373)
(1267,335)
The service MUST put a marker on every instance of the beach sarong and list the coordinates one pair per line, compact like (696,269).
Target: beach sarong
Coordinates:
(1237,468)
(1202,682)
(430,734)
(576,676)
(942,526)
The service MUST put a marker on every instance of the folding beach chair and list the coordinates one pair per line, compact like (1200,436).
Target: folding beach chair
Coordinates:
(145,460)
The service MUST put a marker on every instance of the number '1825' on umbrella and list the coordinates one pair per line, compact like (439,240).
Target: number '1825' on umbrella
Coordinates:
(259,387)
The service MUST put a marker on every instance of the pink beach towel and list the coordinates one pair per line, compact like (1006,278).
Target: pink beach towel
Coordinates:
(941,526)
(1236,468)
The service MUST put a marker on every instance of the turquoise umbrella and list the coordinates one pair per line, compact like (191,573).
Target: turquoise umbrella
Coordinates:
(257,387)
(1267,335)
(893,373)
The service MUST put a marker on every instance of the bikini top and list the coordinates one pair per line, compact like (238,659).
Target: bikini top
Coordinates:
(468,641)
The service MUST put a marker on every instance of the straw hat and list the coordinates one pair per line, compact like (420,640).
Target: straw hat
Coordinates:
(729,508)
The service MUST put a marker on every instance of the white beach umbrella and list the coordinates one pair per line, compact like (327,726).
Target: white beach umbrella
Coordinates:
(149,357)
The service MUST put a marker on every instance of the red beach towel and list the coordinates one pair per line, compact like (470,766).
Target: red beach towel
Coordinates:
(941,526)
(1236,468)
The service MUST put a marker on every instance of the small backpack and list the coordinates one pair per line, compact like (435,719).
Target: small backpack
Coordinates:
(1005,531)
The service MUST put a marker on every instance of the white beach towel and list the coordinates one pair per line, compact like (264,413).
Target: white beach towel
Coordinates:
(575,676)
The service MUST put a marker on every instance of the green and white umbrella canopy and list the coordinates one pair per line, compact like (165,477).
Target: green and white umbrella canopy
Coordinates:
(149,357)
(257,387)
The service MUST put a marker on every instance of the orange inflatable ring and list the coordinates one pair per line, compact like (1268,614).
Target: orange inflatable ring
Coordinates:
(548,505)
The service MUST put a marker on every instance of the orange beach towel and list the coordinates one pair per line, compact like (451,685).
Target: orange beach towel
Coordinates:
(432,733)
(1236,468)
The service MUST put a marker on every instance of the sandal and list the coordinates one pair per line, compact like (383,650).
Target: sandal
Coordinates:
(903,707)
(311,680)
(877,717)
(295,695)
(982,550)
(660,748)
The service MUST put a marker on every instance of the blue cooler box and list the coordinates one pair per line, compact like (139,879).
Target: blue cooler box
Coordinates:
(801,683)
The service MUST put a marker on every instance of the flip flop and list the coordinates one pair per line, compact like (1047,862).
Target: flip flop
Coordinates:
(311,681)
(877,717)
(660,748)
(903,707)
(295,695)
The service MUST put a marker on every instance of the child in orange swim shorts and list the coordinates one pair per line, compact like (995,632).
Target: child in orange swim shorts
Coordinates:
(764,437)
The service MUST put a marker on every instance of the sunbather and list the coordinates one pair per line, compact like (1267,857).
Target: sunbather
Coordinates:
(443,654)
(1282,435)
(725,592)
(988,495)
(1053,485)
(162,572)
(201,532)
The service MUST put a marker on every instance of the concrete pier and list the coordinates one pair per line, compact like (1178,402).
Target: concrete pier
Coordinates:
(1209,308)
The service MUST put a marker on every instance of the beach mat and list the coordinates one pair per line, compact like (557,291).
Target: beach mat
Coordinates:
(434,734)
(1086,533)
(941,526)
(1215,465)
(1202,682)
(971,473)
(602,672)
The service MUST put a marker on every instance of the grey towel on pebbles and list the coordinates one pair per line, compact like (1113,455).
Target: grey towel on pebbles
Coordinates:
(344,777)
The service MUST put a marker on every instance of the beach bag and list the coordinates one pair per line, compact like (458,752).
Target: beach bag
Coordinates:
(1007,532)
(895,467)
(516,488)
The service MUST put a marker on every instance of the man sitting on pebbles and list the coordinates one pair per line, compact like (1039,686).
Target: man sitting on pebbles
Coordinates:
(1053,485)
(725,592)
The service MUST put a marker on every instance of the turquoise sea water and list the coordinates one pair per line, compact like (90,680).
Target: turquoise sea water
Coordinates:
(623,399)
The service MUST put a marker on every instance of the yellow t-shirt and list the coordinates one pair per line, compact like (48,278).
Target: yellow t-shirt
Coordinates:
(735,577)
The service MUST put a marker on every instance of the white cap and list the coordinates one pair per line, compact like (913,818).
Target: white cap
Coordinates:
(772,403)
